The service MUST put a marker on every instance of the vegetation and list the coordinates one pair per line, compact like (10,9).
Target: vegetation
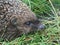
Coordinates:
(48,12)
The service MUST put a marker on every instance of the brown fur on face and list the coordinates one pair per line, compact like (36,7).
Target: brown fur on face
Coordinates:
(15,19)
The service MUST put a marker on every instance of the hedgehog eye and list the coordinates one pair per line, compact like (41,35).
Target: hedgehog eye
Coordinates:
(28,23)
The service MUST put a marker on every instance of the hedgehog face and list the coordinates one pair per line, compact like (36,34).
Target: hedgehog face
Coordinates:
(26,24)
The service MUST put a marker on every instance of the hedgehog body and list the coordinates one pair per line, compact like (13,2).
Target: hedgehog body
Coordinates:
(16,19)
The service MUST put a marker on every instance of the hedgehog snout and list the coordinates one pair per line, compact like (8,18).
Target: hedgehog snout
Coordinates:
(41,27)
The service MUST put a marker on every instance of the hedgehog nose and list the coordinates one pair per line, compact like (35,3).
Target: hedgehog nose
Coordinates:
(41,26)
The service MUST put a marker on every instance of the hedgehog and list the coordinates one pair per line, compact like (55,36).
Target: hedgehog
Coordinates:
(16,19)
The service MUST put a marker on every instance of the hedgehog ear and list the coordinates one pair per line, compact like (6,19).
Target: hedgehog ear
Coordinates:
(14,21)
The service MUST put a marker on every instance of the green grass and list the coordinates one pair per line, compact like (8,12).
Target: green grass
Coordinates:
(48,12)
